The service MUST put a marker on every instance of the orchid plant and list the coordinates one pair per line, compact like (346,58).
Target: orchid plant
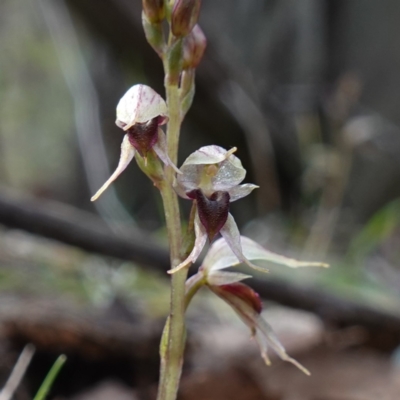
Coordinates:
(210,178)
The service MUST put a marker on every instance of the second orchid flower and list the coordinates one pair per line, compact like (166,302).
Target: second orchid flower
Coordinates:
(211,177)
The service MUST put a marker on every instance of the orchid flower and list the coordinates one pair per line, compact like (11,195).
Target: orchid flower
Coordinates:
(140,113)
(211,176)
(244,300)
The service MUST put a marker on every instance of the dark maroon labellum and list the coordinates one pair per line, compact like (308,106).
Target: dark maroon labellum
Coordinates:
(213,211)
(144,136)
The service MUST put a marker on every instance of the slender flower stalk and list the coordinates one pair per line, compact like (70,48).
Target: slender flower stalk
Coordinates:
(210,177)
(174,340)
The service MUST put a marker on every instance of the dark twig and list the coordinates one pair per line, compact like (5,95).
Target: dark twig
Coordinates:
(84,230)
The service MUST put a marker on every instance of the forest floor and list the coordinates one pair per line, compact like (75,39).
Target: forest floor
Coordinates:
(106,316)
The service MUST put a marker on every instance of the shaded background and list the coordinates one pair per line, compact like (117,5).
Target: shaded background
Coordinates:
(308,92)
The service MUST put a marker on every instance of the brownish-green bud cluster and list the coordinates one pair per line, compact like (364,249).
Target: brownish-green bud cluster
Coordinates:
(154,10)
(185,15)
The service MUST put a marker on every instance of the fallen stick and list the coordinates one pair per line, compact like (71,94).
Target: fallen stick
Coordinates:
(88,232)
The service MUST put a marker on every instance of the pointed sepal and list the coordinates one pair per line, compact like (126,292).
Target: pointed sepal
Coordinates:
(246,303)
(221,255)
(127,154)
(200,241)
(160,147)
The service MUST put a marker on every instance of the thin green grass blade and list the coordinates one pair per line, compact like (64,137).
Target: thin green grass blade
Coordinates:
(51,376)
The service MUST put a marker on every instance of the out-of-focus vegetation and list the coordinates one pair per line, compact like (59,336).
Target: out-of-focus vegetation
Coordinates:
(37,147)
(299,91)
(33,266)
(308,92)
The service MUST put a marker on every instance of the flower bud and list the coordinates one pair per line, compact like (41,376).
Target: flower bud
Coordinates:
(154,10)
(194,46)
(154,34)
(185,14)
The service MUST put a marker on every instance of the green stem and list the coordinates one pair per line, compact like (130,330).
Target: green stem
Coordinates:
(173,341)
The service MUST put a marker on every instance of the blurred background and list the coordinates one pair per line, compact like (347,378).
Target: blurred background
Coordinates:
(308,92)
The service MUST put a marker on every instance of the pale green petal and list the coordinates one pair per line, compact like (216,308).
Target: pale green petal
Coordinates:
(230,174)
(253,251)
(241,191)
(221,254)
(190,178)
(206,155)
(179,188)
(231,234)
(161,150)
(218,278)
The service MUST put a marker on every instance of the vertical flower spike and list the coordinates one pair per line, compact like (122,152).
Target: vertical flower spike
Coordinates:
(211,176)
(140,112)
